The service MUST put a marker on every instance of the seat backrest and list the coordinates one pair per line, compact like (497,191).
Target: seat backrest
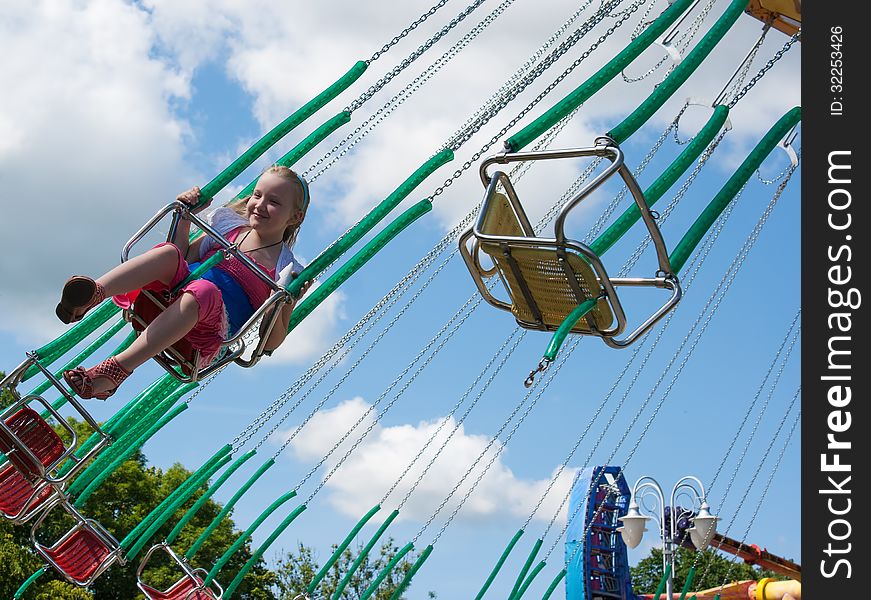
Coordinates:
(500,218)
(30,430)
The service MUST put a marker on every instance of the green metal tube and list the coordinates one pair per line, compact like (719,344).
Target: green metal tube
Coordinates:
(698,229)
(356,262)
(170,539)
(532,554)
(386,571)
(226,510)
(127,442)
(406,581)
(328,256)
(67,340)
(28,582)
(301,149)
(128,451)
(686,586)
(240,541)
(680,73)
(337,595)
(592,85)
(174,501)
(279,131)
(552,587)
(166,509)
(207,467)
(499,564)
(667,179)
(528,581)
(559,336)
(258,554)
(312,586)
(661,587)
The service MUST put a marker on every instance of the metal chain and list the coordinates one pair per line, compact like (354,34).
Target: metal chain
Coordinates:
(536,72)
(772,473)
(362,130)
(406,31)
(388,77)
(618,198)
(777,56)
(707,245)
(762,384)
(424,365)
(521,71)
(448,182)
(500,352)
(543,386)
(695,267)
(683,41)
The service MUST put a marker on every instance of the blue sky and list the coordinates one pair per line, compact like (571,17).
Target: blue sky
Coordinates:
(119,106)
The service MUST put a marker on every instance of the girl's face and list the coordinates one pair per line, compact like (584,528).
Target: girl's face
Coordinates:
(273,205)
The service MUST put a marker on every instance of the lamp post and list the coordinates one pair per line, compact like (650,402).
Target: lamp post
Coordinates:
(647,494)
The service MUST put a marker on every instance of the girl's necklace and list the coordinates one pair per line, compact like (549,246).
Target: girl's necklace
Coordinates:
(244,237)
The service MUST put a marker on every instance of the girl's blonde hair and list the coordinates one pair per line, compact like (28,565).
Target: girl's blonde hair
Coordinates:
(289,236)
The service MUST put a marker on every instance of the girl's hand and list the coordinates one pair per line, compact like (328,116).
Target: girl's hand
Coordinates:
(191,198)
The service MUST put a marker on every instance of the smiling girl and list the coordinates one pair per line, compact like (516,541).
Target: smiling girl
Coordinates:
(264,226)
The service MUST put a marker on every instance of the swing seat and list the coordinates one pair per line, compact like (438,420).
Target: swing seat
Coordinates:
(181,360)
(20,499)
(83,553)
(186,588)
(546,279)
(189,587)
(30,443)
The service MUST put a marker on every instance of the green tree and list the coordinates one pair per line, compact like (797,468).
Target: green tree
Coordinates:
(295,571)
(121,503)
(712,570)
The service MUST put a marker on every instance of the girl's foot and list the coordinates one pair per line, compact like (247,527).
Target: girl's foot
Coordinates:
(98,382)
(79,295)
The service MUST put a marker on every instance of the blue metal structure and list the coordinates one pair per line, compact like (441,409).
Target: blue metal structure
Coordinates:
(599,569)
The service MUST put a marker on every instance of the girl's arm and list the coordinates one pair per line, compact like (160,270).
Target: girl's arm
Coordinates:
(182,234)
(279,330)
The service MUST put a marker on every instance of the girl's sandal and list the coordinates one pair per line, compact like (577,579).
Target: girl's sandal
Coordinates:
(82,380)
(79,295)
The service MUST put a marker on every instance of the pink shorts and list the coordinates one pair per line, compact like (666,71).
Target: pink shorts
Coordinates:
(211,328)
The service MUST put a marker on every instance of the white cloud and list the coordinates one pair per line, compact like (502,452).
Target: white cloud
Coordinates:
(376,464)
(314,334)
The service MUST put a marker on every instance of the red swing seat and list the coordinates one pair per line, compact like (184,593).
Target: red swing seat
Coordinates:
(20,499)
(188,587)
(25,430)
(183,589)
(82,553)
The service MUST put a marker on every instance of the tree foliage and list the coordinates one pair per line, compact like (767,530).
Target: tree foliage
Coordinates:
(297,569)
(712,570)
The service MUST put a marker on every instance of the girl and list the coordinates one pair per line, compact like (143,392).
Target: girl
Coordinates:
(264,226)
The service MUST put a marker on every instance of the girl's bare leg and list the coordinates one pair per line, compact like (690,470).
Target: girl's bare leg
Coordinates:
(166,329)
(157,264)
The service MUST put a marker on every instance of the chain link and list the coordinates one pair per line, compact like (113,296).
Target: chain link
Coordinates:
(361,131)
(777,56)
(388,77)
(406,31)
